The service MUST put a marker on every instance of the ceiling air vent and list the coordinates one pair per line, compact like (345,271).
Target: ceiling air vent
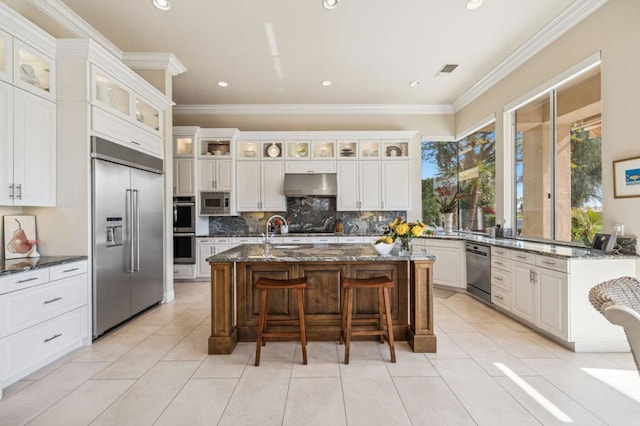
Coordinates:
(447,69)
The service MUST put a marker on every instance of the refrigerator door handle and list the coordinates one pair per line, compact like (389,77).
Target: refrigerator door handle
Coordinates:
(130,228)
(136,210)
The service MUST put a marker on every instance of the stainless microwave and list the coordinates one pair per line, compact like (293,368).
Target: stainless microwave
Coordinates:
(215,203)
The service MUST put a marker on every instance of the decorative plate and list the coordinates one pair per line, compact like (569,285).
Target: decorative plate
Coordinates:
(273,150)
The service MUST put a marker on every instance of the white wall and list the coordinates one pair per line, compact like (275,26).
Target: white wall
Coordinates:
(613,30)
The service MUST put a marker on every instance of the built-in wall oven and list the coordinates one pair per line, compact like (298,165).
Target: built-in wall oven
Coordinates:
(184,230)
(479,270)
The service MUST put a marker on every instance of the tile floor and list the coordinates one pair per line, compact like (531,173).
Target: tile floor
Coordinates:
(489,370)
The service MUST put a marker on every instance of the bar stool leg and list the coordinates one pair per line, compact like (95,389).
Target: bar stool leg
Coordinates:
(380,316)
(387,312)
(303,331)
(343,321)
(262,320)
(347,337)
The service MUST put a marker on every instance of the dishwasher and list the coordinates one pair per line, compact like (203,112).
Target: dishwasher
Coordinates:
(479,270)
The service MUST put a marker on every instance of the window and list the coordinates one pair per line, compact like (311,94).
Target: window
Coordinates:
(468,165)
(558,167)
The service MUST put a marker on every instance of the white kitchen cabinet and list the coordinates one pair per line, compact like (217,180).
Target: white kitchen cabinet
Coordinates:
(501,277)
(350,239)
(358,185)
(28,145)
(523,302)
(449,268)
(396,185)
(44,316)
(6,56)
(316,166)
(205,249)
(183,177)
(184,272)
(260,186)
(34,71)
(552,304)
(215,175)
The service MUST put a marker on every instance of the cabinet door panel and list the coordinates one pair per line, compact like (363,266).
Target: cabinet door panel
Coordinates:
(552,301)
(446,271)
(183,177)
(224,175)
(248,186)
(370,185)
(272,187)
(204,251)
(34,150)
(523,292)
(206,175)
(395,185)
(322,296)
(348,193)
(6,143)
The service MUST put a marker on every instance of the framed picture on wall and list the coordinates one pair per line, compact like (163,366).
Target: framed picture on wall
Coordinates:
(626,178)
(20,237)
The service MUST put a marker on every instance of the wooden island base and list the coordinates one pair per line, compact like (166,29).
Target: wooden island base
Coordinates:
(234,315)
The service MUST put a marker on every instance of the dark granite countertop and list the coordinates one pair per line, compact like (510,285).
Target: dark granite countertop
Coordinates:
(310,253)
(291,234)
(12,266)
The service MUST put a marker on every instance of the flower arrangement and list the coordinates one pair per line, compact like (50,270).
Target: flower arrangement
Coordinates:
(404,231)
(447,198)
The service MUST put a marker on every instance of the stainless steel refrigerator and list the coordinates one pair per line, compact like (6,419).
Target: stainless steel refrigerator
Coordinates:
(127,195)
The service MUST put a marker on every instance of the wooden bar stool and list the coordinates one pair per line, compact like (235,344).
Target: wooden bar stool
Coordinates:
(382,284)
(266,284)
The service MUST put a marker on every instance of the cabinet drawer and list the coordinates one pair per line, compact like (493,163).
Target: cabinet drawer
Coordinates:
(204,240)
(499,251)
(500,279)
(316,240)
(523,256)
(245,240)
(304,240)
(350,239)
(121,131)
(222,240)
(13,282)
(552,263)
(500,263)
(22,350)
(184,272)
(501,298)
(67,270)
(310,167)
(22,309)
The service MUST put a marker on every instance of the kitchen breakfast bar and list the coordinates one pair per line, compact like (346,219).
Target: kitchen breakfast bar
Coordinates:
(235,302)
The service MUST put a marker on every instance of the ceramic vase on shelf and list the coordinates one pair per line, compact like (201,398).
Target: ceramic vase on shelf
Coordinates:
(448,222)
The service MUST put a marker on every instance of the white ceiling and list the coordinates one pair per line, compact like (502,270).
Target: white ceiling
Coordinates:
(369,49)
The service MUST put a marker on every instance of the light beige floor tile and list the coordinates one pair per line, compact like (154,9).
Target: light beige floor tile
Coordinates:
(485,400)
(194,347)
(546,402)
(15,388)
(227,366)
(200,402)
(447,349)
(84,404)
(408,363)
(604,401)
(36,398)
(322,360)
(113,346)
(145,401)
(315,401)
(64,360)
(135,363)
(429,401)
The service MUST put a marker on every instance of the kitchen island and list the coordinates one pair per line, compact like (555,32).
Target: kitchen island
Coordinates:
(234,301)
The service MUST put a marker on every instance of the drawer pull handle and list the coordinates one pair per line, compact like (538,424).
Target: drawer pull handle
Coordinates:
(546,262)
(27,280)
(66,271)
(55,299)
(499,297)
(498,279)
(498,263)
(55,336)
(521,257)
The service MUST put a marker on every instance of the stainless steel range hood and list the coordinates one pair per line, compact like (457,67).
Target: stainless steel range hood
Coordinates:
(320,184)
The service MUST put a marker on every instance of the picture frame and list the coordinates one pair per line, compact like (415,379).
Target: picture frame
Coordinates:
(20,237)
(626,178)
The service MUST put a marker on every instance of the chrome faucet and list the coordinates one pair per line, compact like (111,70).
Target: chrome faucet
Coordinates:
(284,221)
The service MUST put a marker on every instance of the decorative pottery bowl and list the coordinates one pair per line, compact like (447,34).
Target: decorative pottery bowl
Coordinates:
(383,248)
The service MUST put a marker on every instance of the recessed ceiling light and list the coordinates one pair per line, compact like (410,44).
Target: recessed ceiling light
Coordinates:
(161,4)
(474,4)
(326,83)
(415,83)
(330,4)
(223,84)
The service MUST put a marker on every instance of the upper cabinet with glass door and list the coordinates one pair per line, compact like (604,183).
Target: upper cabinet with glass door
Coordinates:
(369,149)
(110,94)
(297,150)
(395,149)
(33,70)
(6,45)
(347,149)
(147,115)
(248,150)
(323,150)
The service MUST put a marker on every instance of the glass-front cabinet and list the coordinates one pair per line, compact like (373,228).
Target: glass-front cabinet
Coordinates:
(297,150)
(369,149)
(110,94)
(5,56)
(248,150)
(348,149)
(395,149)
(183,146)
(147,115)
(33,70)
(215,147)
(272,149)
(323,150)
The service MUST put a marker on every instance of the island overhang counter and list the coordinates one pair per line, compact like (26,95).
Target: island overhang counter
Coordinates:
(234,301)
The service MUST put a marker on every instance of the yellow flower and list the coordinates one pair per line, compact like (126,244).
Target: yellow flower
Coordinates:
(393,224)
(417,231)
(402,228)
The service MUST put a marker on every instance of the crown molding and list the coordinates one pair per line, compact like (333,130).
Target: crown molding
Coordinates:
(154,61)
(312,109)
(66,17)
(26,31)
(562,23)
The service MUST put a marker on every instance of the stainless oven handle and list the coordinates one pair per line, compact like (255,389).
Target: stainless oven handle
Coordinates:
(184,204)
